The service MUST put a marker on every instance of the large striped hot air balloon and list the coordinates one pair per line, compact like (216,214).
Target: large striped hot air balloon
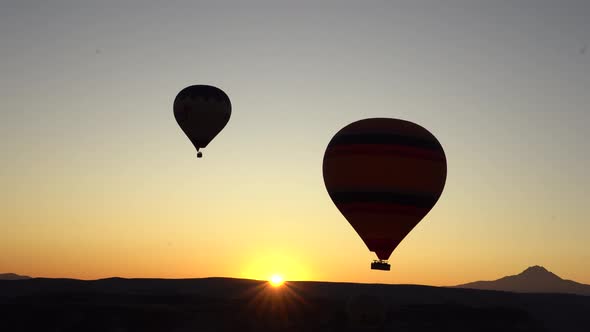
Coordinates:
(201,111)
(384,175)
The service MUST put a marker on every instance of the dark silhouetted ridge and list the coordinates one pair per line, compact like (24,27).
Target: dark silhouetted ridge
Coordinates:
(12,276)
(226,304)
(535,279)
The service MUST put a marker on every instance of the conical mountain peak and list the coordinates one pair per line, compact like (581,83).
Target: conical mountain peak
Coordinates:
(534,279)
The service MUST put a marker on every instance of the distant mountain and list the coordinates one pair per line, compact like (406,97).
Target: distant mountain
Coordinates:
(12,276)
(535,279)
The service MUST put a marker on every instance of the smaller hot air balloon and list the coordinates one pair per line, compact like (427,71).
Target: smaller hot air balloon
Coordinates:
(201,111)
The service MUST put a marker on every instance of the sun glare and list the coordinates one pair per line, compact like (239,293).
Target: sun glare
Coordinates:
(276,280)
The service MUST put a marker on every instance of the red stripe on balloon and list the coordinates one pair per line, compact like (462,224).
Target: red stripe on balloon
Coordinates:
(381,150)
(381,208)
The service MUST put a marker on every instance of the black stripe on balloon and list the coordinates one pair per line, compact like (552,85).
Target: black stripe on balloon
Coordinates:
(384,139)
(417,200)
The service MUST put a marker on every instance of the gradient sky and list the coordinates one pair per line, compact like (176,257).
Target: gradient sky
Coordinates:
(98,180)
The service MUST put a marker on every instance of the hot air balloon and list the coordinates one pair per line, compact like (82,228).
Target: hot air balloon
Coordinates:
(384,175)
(201,112)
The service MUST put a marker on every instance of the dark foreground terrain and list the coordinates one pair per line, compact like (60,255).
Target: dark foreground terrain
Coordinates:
(220,304)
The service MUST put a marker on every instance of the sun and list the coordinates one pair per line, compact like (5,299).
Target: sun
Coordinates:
(276,280)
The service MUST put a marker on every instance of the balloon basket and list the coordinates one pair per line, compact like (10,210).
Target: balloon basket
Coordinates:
(199,154)
(380,265)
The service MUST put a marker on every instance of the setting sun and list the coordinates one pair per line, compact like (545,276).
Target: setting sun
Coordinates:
(276,280)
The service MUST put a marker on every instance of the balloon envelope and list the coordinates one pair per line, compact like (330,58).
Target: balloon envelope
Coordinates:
(384,175)
(201,111)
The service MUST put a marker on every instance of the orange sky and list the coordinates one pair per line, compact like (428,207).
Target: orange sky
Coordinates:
(98,180)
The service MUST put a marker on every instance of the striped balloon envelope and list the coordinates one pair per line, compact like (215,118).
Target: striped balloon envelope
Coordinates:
(384,175)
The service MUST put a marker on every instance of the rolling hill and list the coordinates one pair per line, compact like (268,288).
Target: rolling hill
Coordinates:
(12,276)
